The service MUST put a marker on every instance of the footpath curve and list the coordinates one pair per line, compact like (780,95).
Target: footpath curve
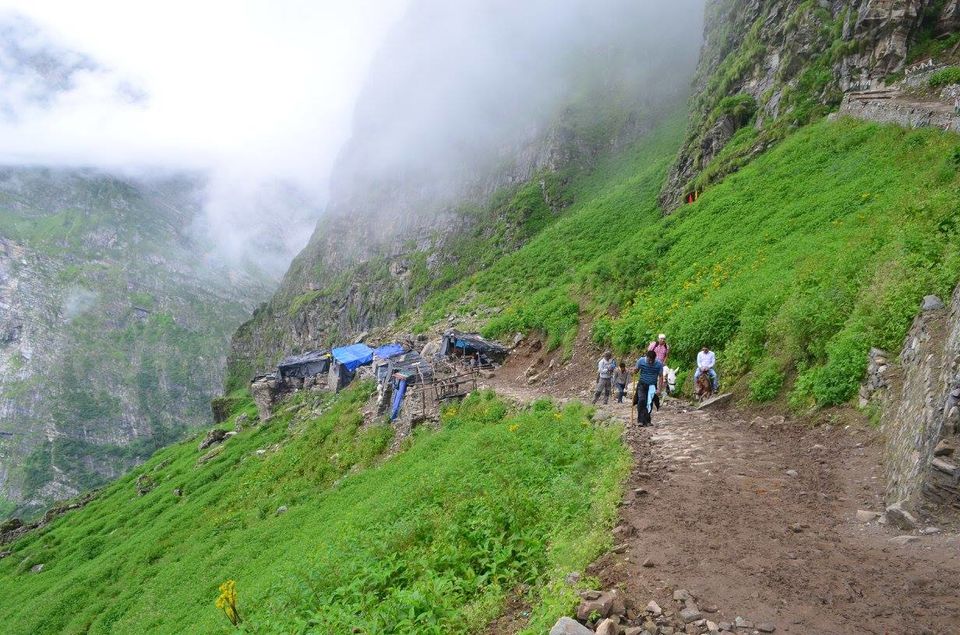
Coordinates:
(756,518)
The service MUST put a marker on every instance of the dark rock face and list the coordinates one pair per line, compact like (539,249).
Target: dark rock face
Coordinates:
(795,59)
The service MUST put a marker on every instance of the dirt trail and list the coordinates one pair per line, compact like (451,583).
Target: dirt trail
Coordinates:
(756,517)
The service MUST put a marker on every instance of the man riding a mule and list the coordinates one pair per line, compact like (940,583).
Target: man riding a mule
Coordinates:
(706,362)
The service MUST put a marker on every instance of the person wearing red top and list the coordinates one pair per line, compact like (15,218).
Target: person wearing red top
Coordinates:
(660,348)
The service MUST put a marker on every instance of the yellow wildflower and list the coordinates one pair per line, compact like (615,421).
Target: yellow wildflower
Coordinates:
(227,602)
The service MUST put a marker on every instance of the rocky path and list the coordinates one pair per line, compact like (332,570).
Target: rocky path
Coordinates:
(752,521)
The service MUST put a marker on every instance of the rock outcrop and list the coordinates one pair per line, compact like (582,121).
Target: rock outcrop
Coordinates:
(794,60)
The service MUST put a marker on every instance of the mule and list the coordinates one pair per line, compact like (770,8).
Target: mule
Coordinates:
(704,387)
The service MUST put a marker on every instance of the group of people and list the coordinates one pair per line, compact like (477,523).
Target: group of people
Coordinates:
(650,376)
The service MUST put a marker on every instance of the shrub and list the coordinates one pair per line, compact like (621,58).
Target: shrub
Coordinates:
(767,383)
(945,77)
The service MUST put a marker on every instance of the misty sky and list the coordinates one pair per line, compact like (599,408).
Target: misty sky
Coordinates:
(260,95)
(253,91)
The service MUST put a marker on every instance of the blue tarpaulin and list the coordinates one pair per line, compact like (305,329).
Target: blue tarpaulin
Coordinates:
(353,357)
(389,350)
(398,399)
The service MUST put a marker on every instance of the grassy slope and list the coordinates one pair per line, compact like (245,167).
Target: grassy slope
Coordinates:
(428,542)
(793,267)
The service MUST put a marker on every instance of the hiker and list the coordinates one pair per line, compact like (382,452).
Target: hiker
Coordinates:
(605,368)
(621,377)
(661,348)
(706,361)
(648,386)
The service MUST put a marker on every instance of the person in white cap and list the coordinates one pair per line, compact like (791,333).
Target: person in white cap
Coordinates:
(660,348)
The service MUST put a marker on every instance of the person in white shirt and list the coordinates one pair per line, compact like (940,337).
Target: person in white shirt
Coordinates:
(605,368)
(706,361)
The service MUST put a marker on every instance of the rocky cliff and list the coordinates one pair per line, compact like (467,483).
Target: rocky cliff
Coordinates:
(113,329)
(769,66)
(461,150)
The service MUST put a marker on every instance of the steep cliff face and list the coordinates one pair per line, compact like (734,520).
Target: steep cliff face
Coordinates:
(461,149)
(113,330)
(769,66)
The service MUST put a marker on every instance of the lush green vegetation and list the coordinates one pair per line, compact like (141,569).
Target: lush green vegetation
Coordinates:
(791,268)
(429,541)
(945,77)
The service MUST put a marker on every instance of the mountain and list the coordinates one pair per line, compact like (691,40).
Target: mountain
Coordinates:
(462,143)
(114,326)
(777,216)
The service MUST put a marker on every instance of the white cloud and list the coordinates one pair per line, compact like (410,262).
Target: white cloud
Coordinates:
(252,91)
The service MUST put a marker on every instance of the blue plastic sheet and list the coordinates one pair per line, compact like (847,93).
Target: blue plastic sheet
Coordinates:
(389,350)
(353,357)
(398,399)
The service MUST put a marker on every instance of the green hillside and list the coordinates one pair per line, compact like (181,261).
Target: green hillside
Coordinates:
(429,541)
(792,268)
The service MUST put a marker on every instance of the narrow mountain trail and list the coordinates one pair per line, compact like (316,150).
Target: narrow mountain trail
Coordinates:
(756,517)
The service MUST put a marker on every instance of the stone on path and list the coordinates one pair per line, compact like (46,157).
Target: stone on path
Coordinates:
(690,614)
(901,518)
(600,604)
(654,609)
(904,540)
(568,626)
(765,627)
(713,402)
(865,516)
(608,627)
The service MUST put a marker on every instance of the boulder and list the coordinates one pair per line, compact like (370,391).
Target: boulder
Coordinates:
(600,605)
(690,614)
(10,525)
(899,517)
(37,568)
(145,483)
(932,303)
(944,448)
(210,455)
(567,626)
(716,402)
(214,436)
(608,627)
(265,392)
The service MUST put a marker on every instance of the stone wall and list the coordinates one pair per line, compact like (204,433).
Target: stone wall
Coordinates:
(921,408)
(901,111)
